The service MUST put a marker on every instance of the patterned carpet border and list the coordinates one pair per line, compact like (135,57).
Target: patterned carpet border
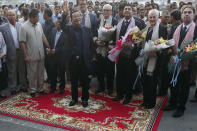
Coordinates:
(151,126)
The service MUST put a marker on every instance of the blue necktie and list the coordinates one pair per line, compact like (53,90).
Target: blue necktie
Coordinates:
(185,29)
(83,19)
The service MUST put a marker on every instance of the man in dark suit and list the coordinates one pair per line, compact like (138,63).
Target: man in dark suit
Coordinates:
(104,45)
(126,67)
(180,93)
(88,19)
(57,65)
(47,28)
(79,54)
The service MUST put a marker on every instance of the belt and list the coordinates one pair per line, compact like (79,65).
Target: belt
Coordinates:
(17,49)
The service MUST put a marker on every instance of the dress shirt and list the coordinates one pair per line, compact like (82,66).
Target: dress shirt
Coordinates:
(187,26)
(57,36)
(14,35)
(41,19)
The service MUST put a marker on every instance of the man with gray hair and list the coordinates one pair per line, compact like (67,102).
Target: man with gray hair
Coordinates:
(104,65)
(14,57)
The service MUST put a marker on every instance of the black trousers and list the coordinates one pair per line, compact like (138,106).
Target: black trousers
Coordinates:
(163,74)
(125,77)
(79,72)
(105,67)
(56,68)
(3,77)
(47,67)
(180,93)
(149,88)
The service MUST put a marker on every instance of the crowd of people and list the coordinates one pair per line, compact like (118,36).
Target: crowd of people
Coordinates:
(65,39)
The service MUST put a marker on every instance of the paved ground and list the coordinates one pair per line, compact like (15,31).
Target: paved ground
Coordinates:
(186,123)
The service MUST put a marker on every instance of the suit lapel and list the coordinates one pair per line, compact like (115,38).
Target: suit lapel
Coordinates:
(10,33)
(58,41)
(18,26)
(53,41)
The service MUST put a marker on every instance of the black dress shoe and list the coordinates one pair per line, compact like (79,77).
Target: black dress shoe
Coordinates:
(170,107)
(99,91)
(117,98)
(84,103)
(13,92)
(2,96)
(72,103)
(32,94)
(43,93)
(193,100)
(126,101)
(178,113)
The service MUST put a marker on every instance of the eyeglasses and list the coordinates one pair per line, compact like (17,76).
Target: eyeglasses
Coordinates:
(106,10)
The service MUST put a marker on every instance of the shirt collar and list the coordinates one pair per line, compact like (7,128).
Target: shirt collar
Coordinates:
(59,31)
(127,20)
(187,25)
(85,12)
(32,23)
(11,25)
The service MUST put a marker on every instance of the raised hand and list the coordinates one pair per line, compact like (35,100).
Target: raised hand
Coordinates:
(65,7)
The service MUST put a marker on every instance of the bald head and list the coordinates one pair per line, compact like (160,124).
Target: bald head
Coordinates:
(12,16)
(107,10)
(107,7)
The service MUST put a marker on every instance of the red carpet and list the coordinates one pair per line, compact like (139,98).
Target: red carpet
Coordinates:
(101,114)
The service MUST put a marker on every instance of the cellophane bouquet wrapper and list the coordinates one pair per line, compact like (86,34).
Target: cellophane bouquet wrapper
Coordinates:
(115,51)
(152,46)
(105,33)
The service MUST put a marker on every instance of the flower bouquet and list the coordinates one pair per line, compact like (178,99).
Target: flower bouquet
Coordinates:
(105,33)
(115,51)
(158,45)
(133,36)
(186,52)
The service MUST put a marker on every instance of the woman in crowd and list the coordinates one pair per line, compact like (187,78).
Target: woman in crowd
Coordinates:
(152,67)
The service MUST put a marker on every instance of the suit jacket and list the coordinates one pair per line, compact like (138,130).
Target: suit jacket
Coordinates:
(47,28)
(88,45)
(137,23)
(7,34)
(162,33)
(94,25)
(135,50)
(60,48)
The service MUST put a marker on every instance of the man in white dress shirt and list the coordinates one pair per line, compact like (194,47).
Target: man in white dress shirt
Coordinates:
(14,57)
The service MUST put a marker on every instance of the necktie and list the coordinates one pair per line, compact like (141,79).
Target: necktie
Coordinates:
(104,23)
(126,22)
(83,19)
(184,29)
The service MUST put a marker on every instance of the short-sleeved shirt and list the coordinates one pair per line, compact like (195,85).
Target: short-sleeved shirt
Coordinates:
(33,36)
